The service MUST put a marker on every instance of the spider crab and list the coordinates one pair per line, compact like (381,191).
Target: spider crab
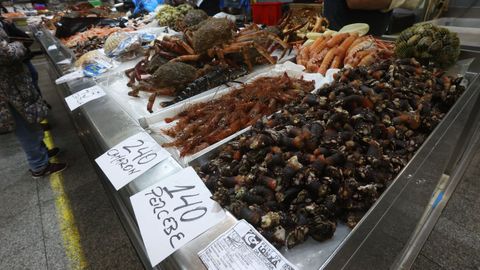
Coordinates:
(166,80)
(217,38)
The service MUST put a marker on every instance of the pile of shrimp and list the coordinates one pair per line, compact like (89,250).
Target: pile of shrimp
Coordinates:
(204,124)
(343,49)
(94,32)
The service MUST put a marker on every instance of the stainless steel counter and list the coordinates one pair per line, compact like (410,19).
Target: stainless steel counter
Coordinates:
(389,234)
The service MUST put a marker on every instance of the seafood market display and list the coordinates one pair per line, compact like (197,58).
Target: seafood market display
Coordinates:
(343,49)
(214,42)
(293,27)
(93,38)
(204,124)
(429,43)
(90,44)
(331,155)
(85,9)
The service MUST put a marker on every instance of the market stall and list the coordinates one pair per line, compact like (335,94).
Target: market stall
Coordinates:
(387,226)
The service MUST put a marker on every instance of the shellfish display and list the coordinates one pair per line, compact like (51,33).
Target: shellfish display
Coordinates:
(203,124)
(88,40)
(429,43)
(329,156)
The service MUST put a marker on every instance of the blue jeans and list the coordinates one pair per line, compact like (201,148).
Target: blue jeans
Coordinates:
(31,140)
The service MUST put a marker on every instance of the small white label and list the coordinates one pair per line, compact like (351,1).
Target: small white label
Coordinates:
(243,247)
(70,77)
(65,62)
(81,97)
(131,158)
(173,212)
(52,47)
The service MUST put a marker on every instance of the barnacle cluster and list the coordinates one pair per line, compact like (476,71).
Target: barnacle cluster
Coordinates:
(169,15)
(429,43)
(330,156)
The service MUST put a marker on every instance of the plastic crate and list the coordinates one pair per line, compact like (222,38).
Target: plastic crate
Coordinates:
(267,13)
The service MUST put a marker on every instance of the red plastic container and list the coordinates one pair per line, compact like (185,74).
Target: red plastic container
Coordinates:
(267,13)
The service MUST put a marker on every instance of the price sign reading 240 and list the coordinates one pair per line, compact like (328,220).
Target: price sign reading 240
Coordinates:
(141,155)
(130,159)
(173,212)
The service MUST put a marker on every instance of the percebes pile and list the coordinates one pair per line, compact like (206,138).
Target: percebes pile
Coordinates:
(169,15)
(429,43)
(330,156)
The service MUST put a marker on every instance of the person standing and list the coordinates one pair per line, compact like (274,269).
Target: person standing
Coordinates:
(375,13)
(22,108)
(13,32)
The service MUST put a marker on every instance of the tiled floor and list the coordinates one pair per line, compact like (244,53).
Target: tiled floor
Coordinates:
(31,237)
(30,233)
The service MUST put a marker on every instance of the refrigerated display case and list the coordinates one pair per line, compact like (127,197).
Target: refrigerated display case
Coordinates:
(389,234)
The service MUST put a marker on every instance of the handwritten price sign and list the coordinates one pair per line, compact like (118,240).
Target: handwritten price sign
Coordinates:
(173,212)
(81,97)
(130,159)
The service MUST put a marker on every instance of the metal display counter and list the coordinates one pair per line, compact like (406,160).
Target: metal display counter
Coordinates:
(390,234)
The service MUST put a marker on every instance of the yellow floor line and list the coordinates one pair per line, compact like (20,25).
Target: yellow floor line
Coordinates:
(68,228)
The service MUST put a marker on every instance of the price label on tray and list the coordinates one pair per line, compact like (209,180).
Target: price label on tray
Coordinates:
(52,47)
(131,158)
(81,97)
(173,212)
(243,247)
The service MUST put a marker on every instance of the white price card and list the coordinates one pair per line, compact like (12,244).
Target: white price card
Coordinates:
(66,62)
(70,76)
(81,97)
(52,47)
(243,247)
(131,158)
(173,212)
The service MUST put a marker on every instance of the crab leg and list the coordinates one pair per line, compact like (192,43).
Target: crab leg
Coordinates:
(151,101)
(185,46)
(246,58)
(186,58)
(285,20)
(264,53)
(134,93)
(293,29)
(264,34)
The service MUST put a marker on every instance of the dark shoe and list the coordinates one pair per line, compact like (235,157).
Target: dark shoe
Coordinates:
(48,105)
(53,152)
(50,169)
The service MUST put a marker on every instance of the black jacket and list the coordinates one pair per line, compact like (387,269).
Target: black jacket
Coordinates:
(339,15)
